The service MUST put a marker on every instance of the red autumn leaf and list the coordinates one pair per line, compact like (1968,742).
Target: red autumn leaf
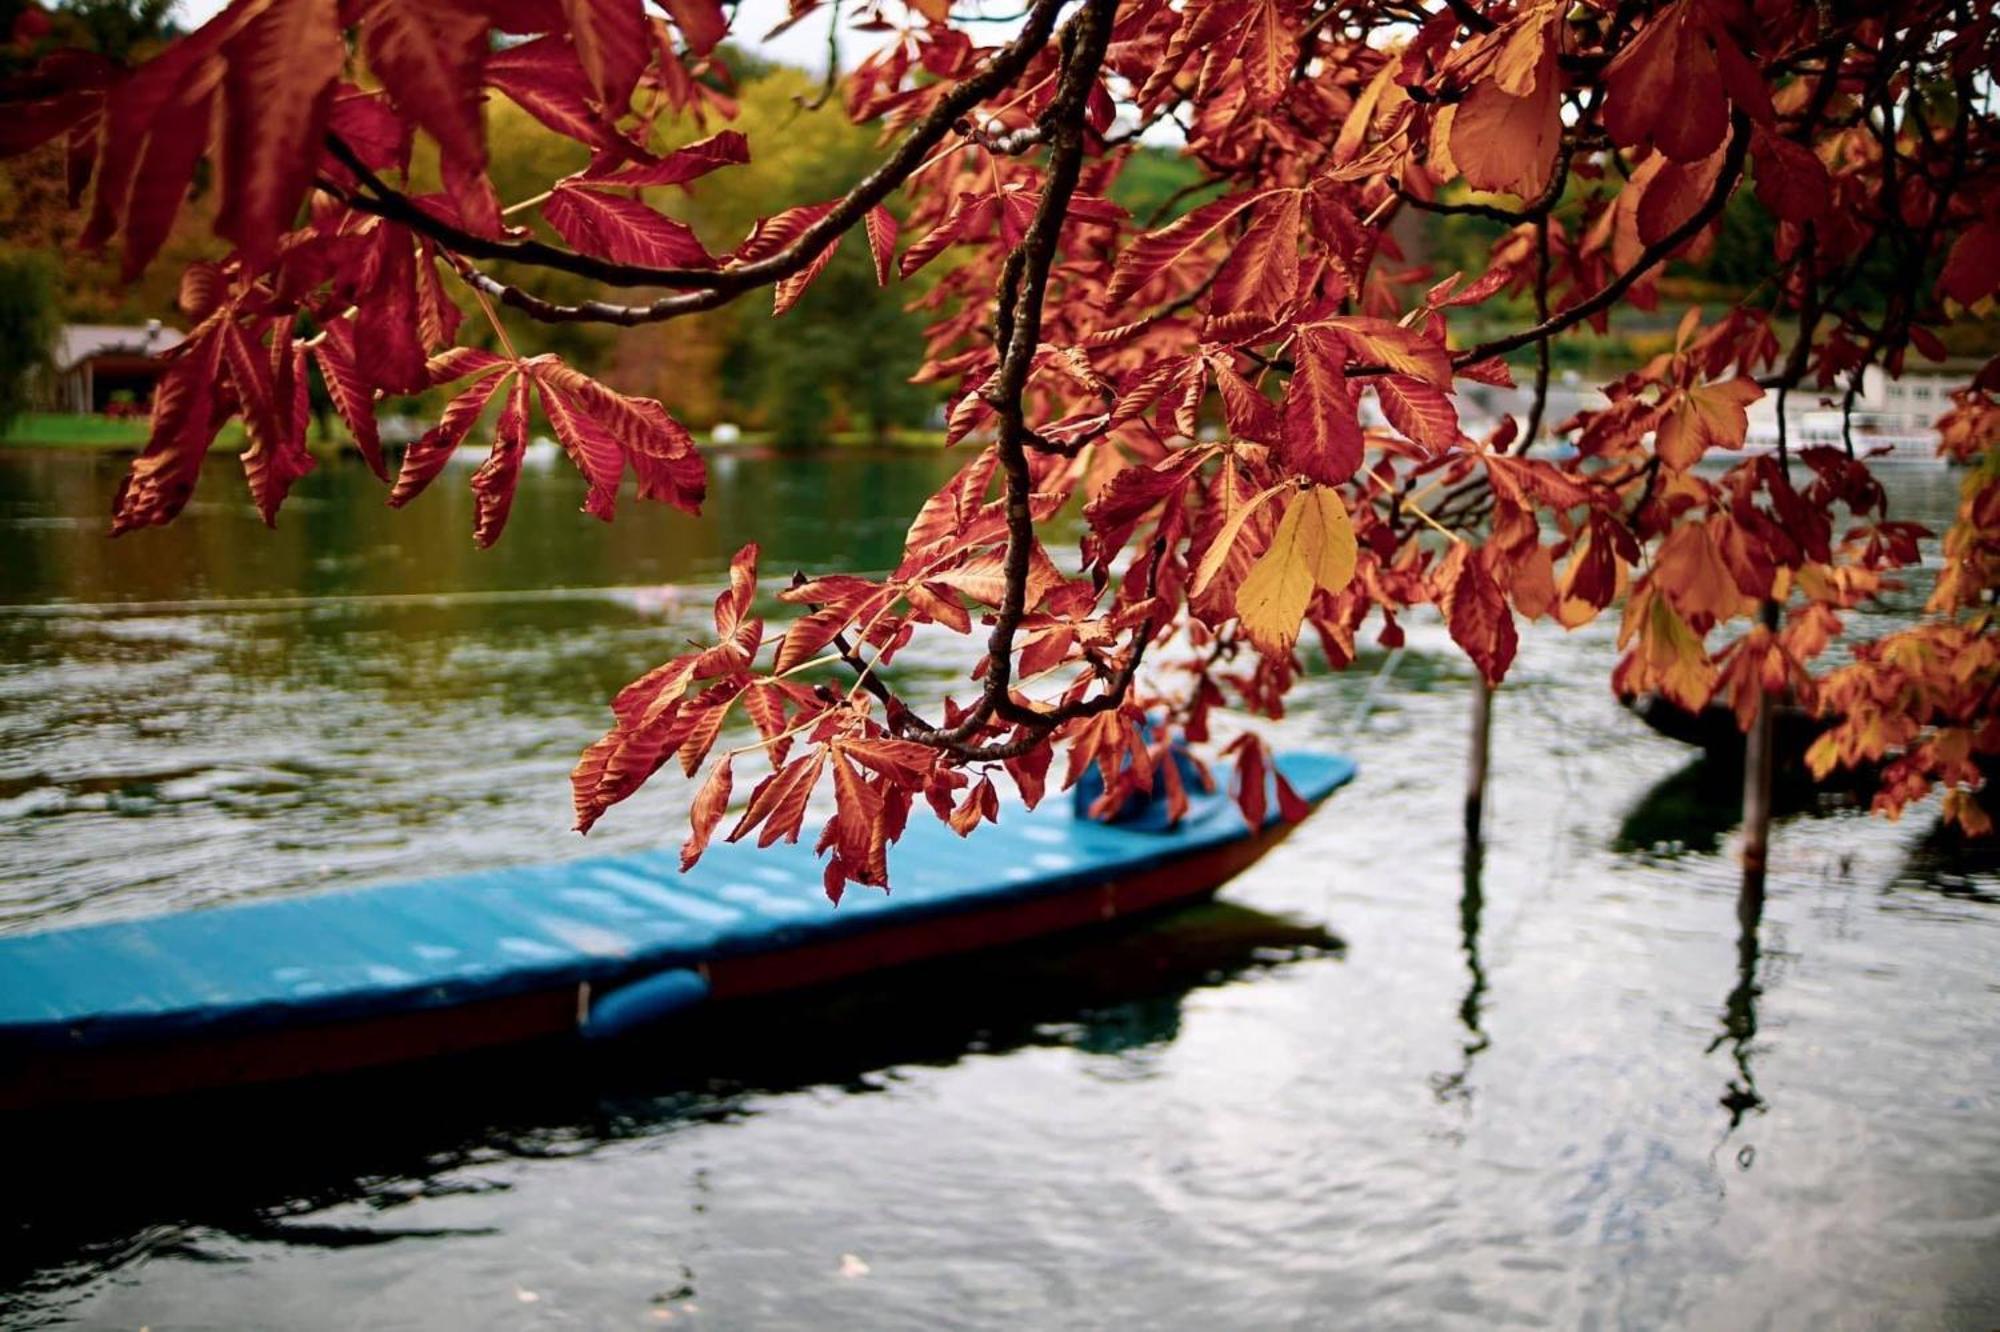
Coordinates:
(271,385)
(1664,89)
(679,167)
(1791,180)
(611,45)
(786,292)
(544,78)
(981,803)
(156,125)
(1262,274)
(64,92)
(881,225)
(589,445)
(623,230)
(1448,293)
(701,22)
(277,93)
(1419,411)
(423,460)
(428,57)
(709,804)
(1250,414)
(1972,272)
(1475,611)
(968,215)
(1156,252)
(779,801)
(1322,430)
(1270,50)
(185,422)
(1532,483)
(368,124)
(388,346)
(494,483)
(856,831)
(1673,192)
(1252,782)
(603,432)
(438,316)
(1504,135)
(1703,417)
(350,394)
(1403,350)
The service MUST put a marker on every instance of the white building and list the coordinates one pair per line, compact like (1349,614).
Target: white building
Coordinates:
(1893,419)
(107,367)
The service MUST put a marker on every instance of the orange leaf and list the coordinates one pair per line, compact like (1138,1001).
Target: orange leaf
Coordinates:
(1420,412)
(1705,416)
(1475,611)
(1154,253)
(1665,88)
(1261,275)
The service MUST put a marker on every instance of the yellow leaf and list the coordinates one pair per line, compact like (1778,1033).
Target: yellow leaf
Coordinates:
(1313,547)
(1232,527)
(1679,664)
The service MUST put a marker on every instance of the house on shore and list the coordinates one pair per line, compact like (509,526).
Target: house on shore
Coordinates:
(107,368)
(1893,419)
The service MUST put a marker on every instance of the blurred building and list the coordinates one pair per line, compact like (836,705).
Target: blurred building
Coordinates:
(107,368)
(1892,418)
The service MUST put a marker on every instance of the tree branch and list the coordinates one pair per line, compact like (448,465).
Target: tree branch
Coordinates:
(702,289)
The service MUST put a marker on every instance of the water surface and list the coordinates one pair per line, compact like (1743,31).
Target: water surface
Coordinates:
(1576,1081)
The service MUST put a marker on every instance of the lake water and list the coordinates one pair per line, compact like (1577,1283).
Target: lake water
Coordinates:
(1380,1083)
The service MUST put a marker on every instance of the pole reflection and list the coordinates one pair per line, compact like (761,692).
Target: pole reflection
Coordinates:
(1471,905)
(1740,1096)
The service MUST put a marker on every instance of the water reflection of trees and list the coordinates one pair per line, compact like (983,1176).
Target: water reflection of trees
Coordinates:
(1694,807)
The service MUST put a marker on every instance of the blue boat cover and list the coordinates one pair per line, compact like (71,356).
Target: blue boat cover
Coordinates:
(438,942)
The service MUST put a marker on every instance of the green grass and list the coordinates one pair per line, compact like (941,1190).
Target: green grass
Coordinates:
(106,434)
(59,430)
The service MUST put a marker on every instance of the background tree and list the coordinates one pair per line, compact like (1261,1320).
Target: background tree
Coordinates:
(28,325)
(1084,349)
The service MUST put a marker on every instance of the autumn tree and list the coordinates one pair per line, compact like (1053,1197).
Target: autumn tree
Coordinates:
(1084,349)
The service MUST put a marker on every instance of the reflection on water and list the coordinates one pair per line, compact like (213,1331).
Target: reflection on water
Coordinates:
(1471,902)
(1697,805)
(1526,1086)
(1739,1011)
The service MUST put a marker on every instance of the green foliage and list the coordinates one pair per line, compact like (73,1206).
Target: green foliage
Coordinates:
(836,360)
(29,321)
(120,29)
(1150,180)
(833,361)
(828,364)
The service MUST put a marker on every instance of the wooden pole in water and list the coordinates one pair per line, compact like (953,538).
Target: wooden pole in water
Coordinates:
(1758,766)
(1475,772)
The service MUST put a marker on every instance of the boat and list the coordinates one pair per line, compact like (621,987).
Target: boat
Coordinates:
(594,949)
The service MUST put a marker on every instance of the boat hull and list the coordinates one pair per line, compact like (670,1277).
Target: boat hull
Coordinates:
(39,1079)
